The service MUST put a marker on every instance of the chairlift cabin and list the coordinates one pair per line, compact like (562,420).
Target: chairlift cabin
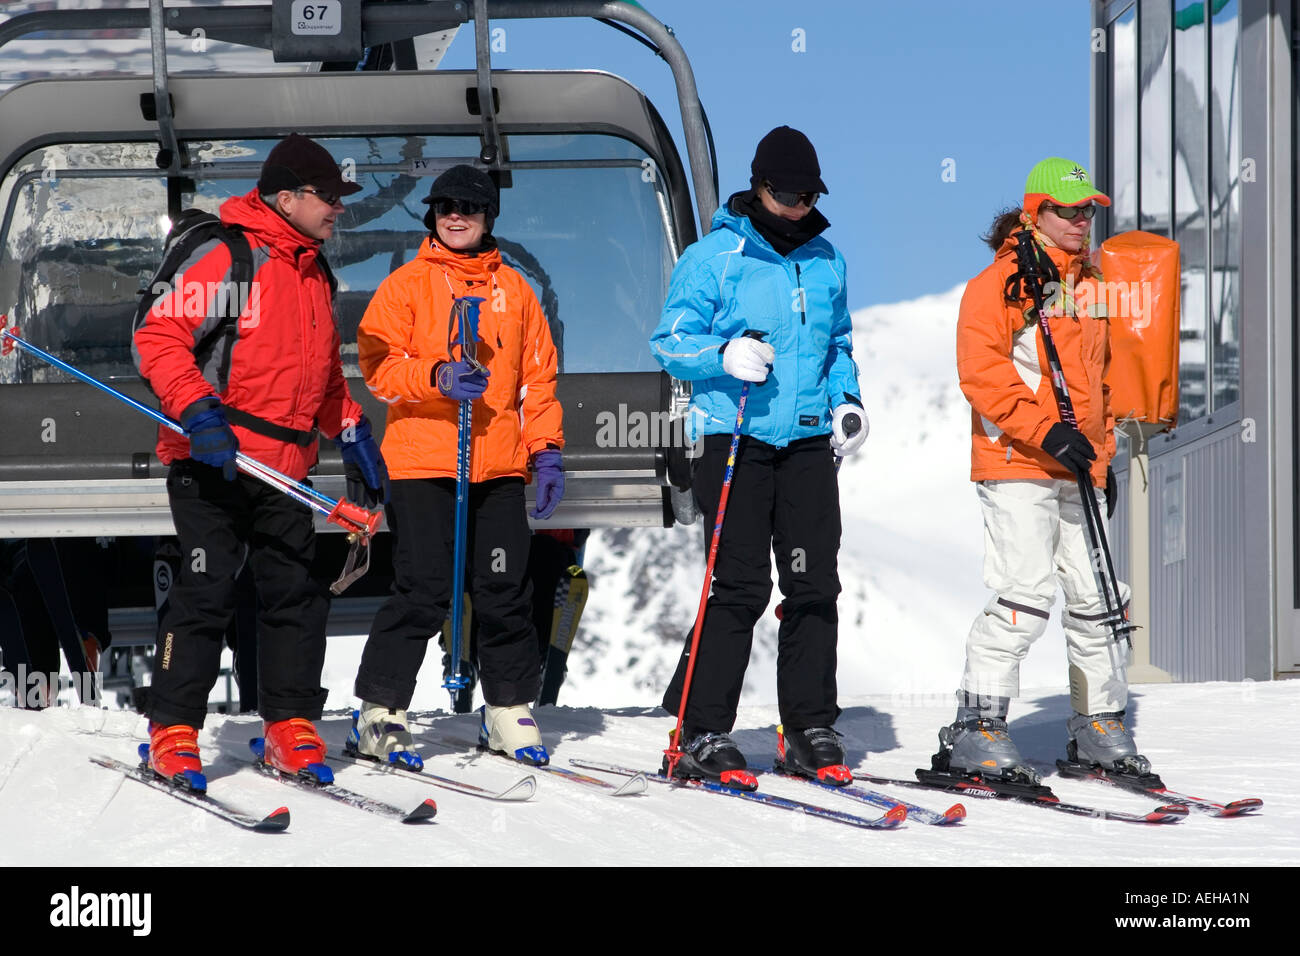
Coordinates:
(596,205)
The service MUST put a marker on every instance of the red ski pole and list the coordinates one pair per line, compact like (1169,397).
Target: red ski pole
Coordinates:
(674,751)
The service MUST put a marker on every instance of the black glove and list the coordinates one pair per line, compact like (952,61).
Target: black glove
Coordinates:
(1068,446)
(1112,492)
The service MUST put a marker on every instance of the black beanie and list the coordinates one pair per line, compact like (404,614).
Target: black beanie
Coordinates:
(468,185)
(785,158)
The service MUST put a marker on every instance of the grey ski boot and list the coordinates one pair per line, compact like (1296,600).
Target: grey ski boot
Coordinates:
(977,743)
(1102,740)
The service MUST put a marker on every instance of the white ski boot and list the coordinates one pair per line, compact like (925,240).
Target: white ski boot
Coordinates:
(513,732)
(1102,740)
(380,733)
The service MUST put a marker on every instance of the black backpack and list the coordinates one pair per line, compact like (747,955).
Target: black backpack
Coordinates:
(191,229)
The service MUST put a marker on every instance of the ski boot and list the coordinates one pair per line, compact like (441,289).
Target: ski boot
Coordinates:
(172,753)
(977,746)
(292,748)
(815,753)
(710,755)
(513,732)
(1102,742)
(380,733)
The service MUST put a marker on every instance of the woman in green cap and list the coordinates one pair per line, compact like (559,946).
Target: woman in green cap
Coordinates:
(1025,461)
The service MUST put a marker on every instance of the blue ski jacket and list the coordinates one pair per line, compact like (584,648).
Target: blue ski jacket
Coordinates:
(732,281)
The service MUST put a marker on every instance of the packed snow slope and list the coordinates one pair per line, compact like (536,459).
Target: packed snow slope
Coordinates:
(911,571)
(1219,740)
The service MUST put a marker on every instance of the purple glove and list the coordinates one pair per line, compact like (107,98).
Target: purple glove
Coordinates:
(550,482)
(460,380)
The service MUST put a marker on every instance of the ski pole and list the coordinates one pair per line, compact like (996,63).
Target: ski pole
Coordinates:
(674,751)
(1034,270)
(345,514)
(462,330)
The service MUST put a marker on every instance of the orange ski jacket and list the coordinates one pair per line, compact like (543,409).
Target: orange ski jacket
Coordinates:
(403,335)
(1005,376)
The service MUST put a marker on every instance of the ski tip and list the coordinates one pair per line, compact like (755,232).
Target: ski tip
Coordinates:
(1238,807)
(954,814)
(521,790)
(425,811)
(632,787)
(897,814)
(277,821)
(1171,813)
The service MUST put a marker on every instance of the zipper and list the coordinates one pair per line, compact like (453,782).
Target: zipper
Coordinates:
(803,313)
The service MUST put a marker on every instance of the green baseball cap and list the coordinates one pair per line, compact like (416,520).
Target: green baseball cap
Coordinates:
(1064,182)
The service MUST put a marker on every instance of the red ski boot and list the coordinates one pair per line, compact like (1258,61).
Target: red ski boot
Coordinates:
(173,754)
(295,749)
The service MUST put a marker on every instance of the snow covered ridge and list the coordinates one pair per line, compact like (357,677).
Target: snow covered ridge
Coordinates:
(1219,740)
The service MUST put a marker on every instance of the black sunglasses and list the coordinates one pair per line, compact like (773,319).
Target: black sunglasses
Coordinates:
(1072,212)
(445,207)
(792,198)
(328,199)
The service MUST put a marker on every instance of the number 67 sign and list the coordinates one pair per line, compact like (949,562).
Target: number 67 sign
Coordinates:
(316,18)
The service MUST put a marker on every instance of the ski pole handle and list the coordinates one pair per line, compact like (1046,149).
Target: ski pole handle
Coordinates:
(852,424)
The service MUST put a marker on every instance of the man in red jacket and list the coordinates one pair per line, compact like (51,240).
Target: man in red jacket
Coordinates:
(264,384)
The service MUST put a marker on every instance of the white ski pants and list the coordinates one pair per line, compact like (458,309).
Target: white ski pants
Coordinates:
(1035,537)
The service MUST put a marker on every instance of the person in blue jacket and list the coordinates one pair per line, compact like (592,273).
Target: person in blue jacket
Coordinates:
(765,268)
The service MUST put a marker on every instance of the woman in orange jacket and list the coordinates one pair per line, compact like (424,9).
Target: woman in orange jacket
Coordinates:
(402,346)
(1024,460)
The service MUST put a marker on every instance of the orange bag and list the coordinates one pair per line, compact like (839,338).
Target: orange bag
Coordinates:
(1141,280)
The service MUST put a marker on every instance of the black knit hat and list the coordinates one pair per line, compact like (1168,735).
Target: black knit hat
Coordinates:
(297,161)
(467,184)
(786,159)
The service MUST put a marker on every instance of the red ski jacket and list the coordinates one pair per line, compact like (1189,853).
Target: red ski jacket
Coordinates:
(281,360)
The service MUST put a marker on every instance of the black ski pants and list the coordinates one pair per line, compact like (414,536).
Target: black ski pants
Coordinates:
(784,500)
(422,518)
(220,524)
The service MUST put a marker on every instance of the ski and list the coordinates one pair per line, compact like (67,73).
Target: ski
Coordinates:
(633,787)
(521,789)
(915,814)
(1036,796)
(888,821)
(318,783)
(1152,785)
(275,822)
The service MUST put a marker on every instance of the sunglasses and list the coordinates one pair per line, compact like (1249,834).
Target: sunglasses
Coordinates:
(445,207)
(1073,212)
(328,199)
(792,199)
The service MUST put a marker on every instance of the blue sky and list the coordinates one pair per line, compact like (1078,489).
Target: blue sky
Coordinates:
(886,91)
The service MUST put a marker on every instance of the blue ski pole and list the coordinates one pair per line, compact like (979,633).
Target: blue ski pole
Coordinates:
(462,332)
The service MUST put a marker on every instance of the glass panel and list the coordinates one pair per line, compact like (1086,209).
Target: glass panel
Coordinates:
(590,240)
(79,244)
(1191,202)
(1225,226)
(1123,183)
(1154,85)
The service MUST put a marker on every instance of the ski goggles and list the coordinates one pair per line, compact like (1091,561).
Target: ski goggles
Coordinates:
(445,207)
(1073,212)
(791,198)
(328,199)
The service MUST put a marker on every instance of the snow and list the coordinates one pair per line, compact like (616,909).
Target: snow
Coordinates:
(1218,740)
(910,565)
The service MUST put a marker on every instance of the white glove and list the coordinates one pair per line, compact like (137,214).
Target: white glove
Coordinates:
(747,359)
(844,444)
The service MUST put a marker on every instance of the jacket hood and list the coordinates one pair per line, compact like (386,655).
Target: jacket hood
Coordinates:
(467,268)
(255,216)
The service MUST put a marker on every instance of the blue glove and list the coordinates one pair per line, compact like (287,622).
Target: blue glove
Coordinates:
(363,465)
(550,482)
(211,440)
(460,380)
